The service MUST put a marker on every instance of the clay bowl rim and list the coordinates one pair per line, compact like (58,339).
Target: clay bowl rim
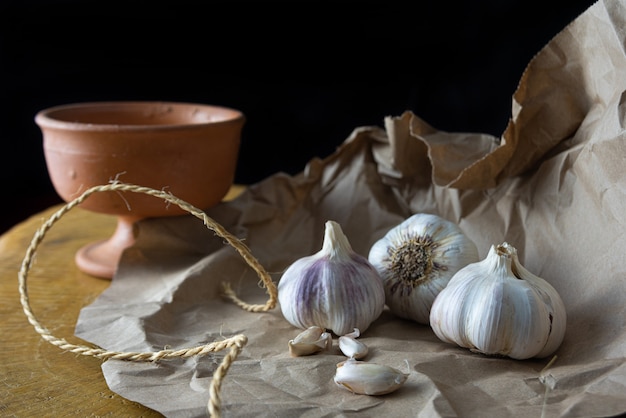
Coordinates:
(46,117)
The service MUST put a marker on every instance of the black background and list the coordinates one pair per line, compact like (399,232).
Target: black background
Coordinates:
(304,73)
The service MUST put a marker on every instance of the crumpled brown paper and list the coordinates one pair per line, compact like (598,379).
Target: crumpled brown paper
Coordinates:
(554,186)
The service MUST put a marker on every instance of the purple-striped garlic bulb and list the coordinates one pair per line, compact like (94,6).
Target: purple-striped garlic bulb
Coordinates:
(335,288)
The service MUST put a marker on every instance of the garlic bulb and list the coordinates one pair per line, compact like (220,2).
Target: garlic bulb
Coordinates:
(365,378)
(310,341)
(416,259)
(335,288)
(497,307)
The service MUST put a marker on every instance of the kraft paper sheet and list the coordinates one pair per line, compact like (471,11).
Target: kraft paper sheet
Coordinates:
(553,185)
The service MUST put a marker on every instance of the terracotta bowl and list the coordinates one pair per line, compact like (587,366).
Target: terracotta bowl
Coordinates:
(188,149)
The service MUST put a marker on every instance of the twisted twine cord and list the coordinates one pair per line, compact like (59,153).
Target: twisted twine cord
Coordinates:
(235,343)
(215,397)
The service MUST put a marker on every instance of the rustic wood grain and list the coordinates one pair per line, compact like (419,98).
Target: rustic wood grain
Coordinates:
(37,378)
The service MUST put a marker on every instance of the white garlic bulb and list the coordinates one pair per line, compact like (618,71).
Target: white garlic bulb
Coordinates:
(365,378)
(335,288)
(416,259)
(497,307)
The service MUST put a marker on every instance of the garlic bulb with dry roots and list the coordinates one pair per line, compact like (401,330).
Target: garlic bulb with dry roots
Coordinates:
(335,288)
(497,307)
(416,259)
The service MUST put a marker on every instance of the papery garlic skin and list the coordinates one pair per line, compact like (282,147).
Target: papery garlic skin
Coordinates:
(351,347)
(497,307)
(365,378)
(310,341)
(416,259)
(335,288)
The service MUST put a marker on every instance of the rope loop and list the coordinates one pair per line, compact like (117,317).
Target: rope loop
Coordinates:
(235,343)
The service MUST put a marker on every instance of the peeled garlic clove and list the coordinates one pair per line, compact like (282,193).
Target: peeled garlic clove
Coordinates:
(310,341)
(335,288)
(351,347)
(416,259)
(366,378)
(497,307)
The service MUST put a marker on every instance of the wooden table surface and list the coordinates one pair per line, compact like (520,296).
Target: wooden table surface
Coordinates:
(36,378)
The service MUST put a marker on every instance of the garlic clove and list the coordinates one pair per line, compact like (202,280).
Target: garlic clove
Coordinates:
(351,347)
(497,307)
(366,378)
(335,288)
(416,259)
(310,341)
(354,334)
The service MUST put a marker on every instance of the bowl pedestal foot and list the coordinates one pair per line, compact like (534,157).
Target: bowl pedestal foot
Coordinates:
(101,258)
